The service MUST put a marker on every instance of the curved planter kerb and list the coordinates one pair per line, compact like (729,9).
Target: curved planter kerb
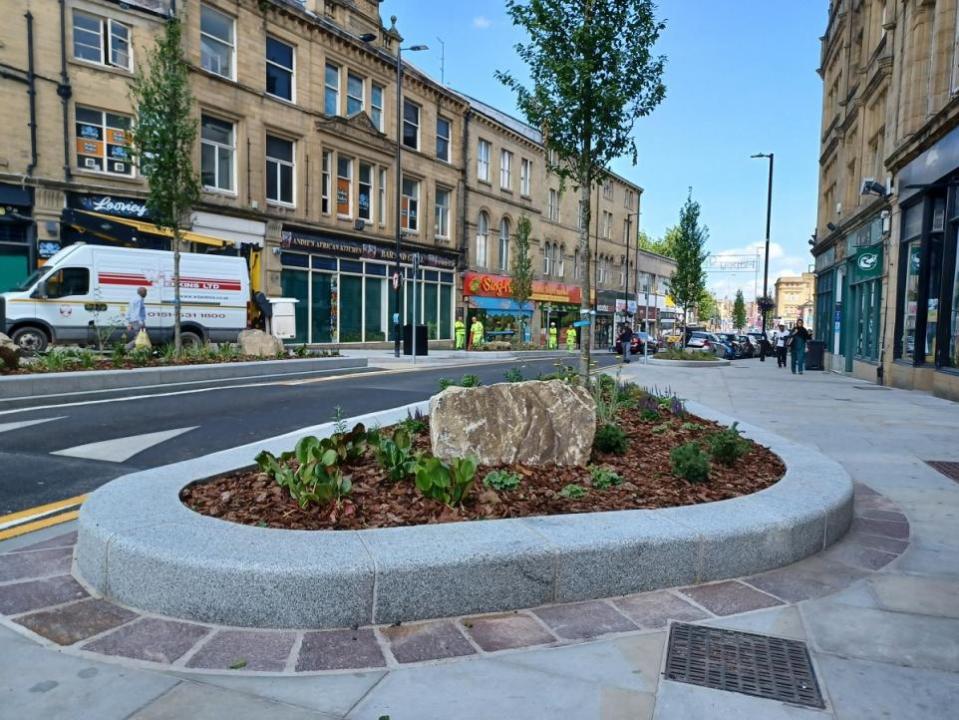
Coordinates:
(140,546)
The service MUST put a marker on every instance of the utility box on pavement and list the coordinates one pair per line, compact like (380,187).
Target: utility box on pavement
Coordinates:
(283,322)
(815,352)
(422,340)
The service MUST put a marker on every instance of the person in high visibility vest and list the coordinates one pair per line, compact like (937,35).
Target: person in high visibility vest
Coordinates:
(553,337)
(571,340)
(459,328)
(476,331)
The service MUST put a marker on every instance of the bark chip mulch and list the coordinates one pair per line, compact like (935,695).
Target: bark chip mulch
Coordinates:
(250,497)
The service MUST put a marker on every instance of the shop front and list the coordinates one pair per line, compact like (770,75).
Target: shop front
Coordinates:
(16,235)
(345,288)
(647,319)
(609,308)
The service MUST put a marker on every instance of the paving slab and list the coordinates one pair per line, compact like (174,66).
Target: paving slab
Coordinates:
(21,597)
(203,702)
(60,540)
(246,650)
(784,622)
(503,632)
(426,641)
(810,578)
(680,701)
(729,598)
(917,595)
(153,639)
(77,621)
(585,620)
(39,563)
(339,650)
(654,610)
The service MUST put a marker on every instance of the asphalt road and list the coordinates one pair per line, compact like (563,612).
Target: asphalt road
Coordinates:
(72,445)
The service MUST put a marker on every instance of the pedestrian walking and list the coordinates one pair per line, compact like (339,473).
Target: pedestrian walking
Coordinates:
(137,317)
(780,341)
(571,340)
(626,342)
(796,342)
(460,333)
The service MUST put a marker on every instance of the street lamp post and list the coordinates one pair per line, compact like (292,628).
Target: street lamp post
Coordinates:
(398,269)
(769,210)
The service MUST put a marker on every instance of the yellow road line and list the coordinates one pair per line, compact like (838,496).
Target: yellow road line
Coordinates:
(38,525)
(41,509)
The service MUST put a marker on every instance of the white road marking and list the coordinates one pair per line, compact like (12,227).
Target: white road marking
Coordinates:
(122,449)
(6,427)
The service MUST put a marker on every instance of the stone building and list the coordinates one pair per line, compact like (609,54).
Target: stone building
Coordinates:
(794,297)
(295,102)
(887,303)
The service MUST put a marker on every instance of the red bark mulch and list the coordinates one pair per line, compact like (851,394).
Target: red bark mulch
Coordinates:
(253,498)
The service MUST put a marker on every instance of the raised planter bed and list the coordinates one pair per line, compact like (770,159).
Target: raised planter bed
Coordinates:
(138,544)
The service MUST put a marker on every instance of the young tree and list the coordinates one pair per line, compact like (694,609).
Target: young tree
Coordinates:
(708,309)
(662,246)
(164,132)
(739,311)
(688,281)
(593,75)
(522,271)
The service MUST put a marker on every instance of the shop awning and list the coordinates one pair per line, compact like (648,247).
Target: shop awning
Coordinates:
(111,227)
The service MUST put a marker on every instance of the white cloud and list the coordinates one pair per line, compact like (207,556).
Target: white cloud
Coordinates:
(481,22)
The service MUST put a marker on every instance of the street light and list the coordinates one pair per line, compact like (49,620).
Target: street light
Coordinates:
(769,210)
(629,229)
(398,270)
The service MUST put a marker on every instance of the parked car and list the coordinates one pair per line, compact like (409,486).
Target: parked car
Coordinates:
(647,339)
(733,341)
(635,346)
(750,348)
(700,341)
(762,343)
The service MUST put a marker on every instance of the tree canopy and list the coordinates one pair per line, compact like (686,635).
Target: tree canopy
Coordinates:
(688,281)
(739,311)
(662,246)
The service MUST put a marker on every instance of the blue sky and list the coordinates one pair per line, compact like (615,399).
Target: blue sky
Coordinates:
(740,79)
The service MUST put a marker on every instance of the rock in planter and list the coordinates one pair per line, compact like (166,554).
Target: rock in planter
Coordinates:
(498,345)
(534,423)
(9,352)
(259,343)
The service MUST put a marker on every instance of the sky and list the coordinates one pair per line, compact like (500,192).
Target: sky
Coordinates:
(740,79)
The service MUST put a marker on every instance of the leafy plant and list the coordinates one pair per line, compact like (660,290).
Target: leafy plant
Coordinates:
(603,477)
(573,492)
(447,482)
(728,445)
(414,424)
(318,477)
(118,355)
(690,426)
(446,382)
(469,381)
(689,462)
(394,454)
(661,429)
(567,373)
(611,439)
(87,359)
(513,375)
(339,424)
(649,415)
(301,351)
(501,480)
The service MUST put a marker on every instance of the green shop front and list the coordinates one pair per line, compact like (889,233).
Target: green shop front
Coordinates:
(344,288)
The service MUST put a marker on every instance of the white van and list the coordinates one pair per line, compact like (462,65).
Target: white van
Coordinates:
(82,293)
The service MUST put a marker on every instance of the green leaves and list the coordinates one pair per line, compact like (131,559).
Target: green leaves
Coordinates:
(728,445)
(501,480)
(688,281)
(739,311)
(573,492)
(395,456)
(689,462)
(447,482)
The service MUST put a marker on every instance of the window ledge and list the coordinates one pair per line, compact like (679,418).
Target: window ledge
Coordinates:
(219,193)
(112,69)
(83,172)
(282,100)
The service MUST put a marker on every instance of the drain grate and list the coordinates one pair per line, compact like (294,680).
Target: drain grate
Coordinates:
(759,665)
(947,468)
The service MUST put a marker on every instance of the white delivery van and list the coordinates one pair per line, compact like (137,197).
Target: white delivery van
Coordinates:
(82,295)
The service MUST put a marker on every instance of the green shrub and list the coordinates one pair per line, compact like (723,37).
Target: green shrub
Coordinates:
(690,426)
(318,477)
(660,429)
(611,439)
(602,477)
(728,445)
(513,375)
(395,455)
(446,382)
(685,355)
(690,463)
(447,482)
(469,381)
(414,424)
(301,351)
(649,415)
(501,480)
(573,492)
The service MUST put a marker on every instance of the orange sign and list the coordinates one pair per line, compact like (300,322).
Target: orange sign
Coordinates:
(501,286)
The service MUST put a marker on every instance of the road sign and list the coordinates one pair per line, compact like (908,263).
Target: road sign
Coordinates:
(396,281)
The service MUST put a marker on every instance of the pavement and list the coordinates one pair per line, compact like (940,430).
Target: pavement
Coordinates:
(878,612)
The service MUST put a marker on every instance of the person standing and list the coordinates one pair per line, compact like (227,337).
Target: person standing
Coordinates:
(780,341)
(476,333)
(626,342)
(553,342)
(571,340)
(797,346)
(136,316)
(459,328)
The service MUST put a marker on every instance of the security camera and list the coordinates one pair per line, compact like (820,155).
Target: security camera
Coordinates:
(831,227)
(871,187)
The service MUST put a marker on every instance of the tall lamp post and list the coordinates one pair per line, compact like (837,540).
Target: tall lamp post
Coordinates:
(769,210)
(398,270)
(629,229)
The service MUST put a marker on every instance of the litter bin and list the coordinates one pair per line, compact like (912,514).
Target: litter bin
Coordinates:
(815,351)
(422,340)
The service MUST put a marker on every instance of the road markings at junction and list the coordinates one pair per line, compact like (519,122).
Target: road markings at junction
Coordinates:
(7,427)
(41,516)
(122,449)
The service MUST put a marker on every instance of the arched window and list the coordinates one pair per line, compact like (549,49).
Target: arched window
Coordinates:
(561,261)
(504,244)
(482,237)
(547,259)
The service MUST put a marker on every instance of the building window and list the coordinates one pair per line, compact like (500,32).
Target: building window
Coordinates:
(381,206)
(547,259)
(216,42)
(411,125)
(607,224)
(443,139)
(608,189)
(279,69)
(626,231)
(552,206)
(482,238)
(103,142)
(101,40)
(409,210)
(482,160)
(525,171)
(628,200)
(354,94)
(376,106)
(217,147)
(504,244)
(331,95)
(279,170)
(442,226)
(559,262)
(505,169)
(326,182)
(365,205)
(344,186)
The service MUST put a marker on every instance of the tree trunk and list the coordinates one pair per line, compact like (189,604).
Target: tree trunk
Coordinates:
(586,306)
(177,342)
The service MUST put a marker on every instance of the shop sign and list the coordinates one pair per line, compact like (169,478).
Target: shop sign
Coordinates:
(343,247)
(111,205)
(867,263)
(501,286)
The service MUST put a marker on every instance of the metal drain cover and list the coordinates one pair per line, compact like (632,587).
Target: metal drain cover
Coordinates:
(947,468)
(760,665)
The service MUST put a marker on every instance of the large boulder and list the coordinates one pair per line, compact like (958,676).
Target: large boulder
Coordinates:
(259,343)
(9,353)
(533,423)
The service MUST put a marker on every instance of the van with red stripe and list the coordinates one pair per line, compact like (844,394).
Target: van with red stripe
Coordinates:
(80,296)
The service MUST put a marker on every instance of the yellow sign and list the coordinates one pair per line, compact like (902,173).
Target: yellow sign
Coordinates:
(669,301)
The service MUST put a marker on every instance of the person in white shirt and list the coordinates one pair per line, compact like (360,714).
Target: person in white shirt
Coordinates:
(779,340)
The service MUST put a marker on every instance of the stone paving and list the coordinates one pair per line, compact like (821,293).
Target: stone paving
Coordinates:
(879,610)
